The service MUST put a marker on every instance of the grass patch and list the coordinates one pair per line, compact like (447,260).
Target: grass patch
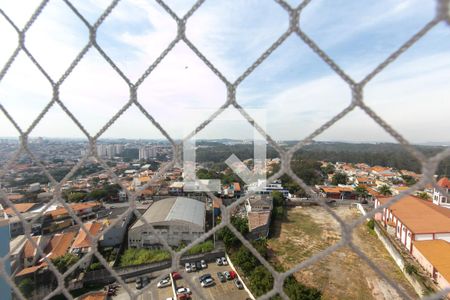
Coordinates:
(204,247)
(133,256)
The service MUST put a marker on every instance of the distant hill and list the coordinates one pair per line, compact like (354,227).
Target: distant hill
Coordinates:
(385,154)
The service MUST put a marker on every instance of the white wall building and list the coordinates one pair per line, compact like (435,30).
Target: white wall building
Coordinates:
(176,220)
(438,197)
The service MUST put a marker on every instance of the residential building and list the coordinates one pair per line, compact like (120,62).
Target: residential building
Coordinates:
(337,192)
(117,227)
(147,152)
(258,203)
(434,256)
(34,187)
(440,198)
(264,188)
(83,242)
(5,289)
(413,219)
(176,188)
(259,224)
(177,220)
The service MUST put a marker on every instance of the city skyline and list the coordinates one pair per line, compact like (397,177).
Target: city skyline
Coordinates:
(298,90)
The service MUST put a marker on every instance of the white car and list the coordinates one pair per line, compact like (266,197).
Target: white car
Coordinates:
(207,282)
(163,283)
(203,263)
(183,290)
(187,267)
(224,261)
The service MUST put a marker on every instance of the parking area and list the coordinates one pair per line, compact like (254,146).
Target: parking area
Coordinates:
(220,290)
(150,294)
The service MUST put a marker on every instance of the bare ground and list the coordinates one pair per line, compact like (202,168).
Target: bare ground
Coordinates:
(342,274)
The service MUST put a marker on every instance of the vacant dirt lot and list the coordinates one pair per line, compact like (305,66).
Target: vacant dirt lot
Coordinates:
(341,275)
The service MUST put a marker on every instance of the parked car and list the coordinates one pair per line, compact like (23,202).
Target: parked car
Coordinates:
(221,277)
(238,284)
(227,275)
(224,261)
(207,282)
(187,267)
(219,261)
(233,274)
(176,275)
(193,267)
(145,280)
(183,290)
(204,276)
(198,265)
(139,283)
(203,264)
(163,283)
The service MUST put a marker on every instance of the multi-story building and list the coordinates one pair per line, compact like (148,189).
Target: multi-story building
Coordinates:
(147,152)
(413,219)
(438,197)
(5,289)
(257,203)
(177,220)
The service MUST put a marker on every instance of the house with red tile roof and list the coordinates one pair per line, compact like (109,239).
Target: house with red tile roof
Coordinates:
(434,256)
(83,242)
(440,198)
(413,219)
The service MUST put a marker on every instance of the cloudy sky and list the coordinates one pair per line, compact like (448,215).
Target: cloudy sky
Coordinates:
(294,88)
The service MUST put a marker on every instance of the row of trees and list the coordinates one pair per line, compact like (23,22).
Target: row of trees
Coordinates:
(108,191)
(384,154)
(259,278)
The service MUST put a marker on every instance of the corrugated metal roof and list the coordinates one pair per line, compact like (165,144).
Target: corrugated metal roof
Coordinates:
(175,208)
(189,210)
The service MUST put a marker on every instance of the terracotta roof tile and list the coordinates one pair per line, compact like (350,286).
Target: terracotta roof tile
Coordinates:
(82,240)
(29,250)
(444,183)
(420,216)
(21,207)
(437,252)
(59,244)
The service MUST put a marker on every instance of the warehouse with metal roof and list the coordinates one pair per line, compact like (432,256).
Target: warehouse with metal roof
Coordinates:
(177,220)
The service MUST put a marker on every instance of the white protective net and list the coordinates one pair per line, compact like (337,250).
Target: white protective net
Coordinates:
(429,165)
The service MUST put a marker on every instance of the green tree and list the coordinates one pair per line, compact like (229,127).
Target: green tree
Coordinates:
(385,190)
(95,266)
(361,191)
(296,290)
(76,197)
(423,195)
(409,180)
(241,224)
(261,281)
(339,178)
(278,198)
(26,287)
(261,246)
(63,263)
(328,169)
(245,260)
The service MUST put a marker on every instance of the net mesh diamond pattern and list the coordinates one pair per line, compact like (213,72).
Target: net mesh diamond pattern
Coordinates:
(429,165)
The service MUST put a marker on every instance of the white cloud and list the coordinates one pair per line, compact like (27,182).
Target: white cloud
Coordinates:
(412,94)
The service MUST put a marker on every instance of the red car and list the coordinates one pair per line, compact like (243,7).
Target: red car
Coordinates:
(176,275)
(183,296)
(232,274)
